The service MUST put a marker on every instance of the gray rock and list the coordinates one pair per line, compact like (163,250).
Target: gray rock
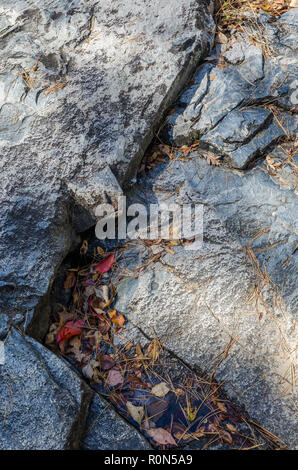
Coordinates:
(216,109)
(244,135)
(43,401)
(106,430)
(198,300)
(82,90)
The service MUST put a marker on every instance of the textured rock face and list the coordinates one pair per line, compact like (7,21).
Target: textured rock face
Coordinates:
(198,300)
(45,405)
(105,430)
(41,397)
(223,106)
(83,84)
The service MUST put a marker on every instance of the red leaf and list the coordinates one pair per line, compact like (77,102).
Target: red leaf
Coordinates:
(105,265)
(71,328)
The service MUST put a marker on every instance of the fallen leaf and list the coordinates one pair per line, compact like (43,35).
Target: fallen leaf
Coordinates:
(51,336)
(71,328)
(222,407)
(100,251)
(221,38)
(160,390)
(136,412)
(139,352)
(231,428)
(87,371)
(105,265)
(114,378)
(199,433)
(128,346)
(153,349)
(161,436)
(226,436)
(70,280)
(84,248)
(75,348)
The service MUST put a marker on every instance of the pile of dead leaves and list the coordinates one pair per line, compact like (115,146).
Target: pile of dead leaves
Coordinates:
(136,379)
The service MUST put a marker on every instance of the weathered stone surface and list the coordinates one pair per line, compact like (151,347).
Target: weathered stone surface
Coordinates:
(45,405)
(6,321)
(41,398)
(197,300)
(106,430)
(82,88)
(222,108)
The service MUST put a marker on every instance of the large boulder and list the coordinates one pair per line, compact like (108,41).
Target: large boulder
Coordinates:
(83,87)
(46,406)
(106,430)
(221,304)
(242,100)
(44,403)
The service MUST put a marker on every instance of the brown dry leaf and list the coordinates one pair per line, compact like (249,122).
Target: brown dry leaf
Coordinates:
(128,346)
(139,352)
(160,390)
(222,407)
(136,412)
(162,437)
(231,428)
(100,251)
(185,149)
(70,280)
(52,334)
(221,38)
(84,248)
(153,350)
(64,317)
(114,378)
(75,348)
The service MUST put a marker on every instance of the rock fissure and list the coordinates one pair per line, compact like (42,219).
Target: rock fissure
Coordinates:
(85,142)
